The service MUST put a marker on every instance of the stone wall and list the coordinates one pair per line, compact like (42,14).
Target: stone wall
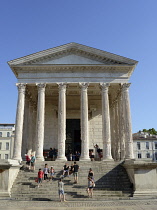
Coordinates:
(8,173)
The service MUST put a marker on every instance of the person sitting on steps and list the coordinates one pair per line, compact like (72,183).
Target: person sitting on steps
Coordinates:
(65,169)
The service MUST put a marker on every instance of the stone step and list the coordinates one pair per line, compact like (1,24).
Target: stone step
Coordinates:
(75,198)
(111,181)
(68,193)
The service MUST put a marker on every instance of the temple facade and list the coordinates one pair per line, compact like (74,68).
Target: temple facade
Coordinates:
(73,97)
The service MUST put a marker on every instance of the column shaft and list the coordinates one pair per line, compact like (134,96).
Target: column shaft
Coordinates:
(40,121)
(121,130)
(30,127)
(25,128)
(34,127)
(19,121)
(127,122)
(61,121)
(106,123)
(112,124)
(117,139)
(84,123)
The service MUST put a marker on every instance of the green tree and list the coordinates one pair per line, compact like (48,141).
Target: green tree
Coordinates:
(150,131)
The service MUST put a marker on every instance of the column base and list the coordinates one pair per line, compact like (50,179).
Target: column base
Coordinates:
(17,159)
(129,158)
(84,159)
(108,159)
(61,159)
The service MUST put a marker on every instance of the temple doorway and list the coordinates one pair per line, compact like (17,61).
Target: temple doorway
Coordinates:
(73,136)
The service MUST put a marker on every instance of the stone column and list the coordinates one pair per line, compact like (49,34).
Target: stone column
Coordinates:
(34,126)
(40,121)
(19,121)
(112,124)
(121,129)
(117,139)
(106,135)
(61,121)
(25,128)
(127,122)
(30,126)
(84,123)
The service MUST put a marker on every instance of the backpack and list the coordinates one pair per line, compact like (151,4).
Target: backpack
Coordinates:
(33,159)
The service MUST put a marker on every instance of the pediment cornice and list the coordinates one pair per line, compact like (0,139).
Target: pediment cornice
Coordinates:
(73,48)
(72,68)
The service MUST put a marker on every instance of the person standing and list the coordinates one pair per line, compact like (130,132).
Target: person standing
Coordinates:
(40,177)
(52,173)
(46,171)
(71,169)
(28,160)
(96,152)
(91,185)
(61,190)
(75,170)
(92,156)
(33,162)
(91,174)
(51,154)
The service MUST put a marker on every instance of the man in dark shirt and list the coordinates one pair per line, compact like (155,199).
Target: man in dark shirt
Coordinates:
(65,169)
(51,154)
(75,170)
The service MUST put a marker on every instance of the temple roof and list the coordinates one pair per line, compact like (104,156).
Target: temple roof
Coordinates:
(72,51)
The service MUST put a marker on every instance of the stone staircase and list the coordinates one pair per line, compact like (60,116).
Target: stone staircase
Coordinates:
(111,181)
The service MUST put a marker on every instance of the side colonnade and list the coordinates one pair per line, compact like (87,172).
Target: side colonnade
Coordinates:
(116,123)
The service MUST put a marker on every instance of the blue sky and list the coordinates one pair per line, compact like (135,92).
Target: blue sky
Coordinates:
(124,27)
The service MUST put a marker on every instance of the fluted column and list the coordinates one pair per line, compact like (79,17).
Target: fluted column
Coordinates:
(112,124)
(30,126)
(61,121)
(106,133)
(34,127)
(40,121)
(127,122)
(25,127)
(19,121)
(121,130)
(117,139)
(84,123)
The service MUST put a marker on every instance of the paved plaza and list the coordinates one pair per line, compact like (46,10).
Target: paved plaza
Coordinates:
(142,204)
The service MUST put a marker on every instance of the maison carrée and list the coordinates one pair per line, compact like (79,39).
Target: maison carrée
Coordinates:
(73,97)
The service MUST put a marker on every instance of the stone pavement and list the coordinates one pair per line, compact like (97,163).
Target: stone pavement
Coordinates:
(145,204)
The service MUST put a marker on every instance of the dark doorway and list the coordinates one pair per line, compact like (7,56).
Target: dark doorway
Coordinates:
(73,136)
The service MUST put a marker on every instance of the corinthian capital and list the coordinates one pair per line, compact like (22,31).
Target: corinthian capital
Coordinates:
(21,87)
(125,86)
(84,85)
(62,86)
(41,86)
(104,86)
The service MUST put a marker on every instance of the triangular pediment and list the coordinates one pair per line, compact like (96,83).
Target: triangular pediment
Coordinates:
(72,53)
(71,59)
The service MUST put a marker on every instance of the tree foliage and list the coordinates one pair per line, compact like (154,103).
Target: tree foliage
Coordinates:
(150,131)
